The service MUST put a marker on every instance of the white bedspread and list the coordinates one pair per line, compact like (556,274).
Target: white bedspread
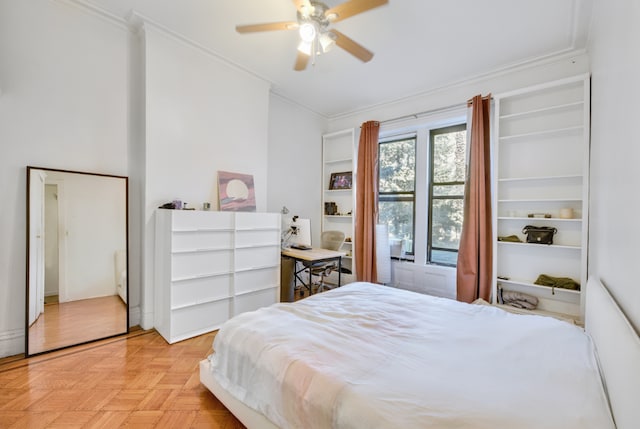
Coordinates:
(370,356)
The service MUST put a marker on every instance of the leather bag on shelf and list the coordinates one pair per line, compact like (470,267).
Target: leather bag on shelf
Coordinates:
(539,234)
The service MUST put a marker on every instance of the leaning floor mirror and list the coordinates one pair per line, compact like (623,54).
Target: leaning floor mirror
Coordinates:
(77,241)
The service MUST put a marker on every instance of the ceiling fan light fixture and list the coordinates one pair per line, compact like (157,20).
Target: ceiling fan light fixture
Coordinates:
(305,47)
(326,42)
(308,32)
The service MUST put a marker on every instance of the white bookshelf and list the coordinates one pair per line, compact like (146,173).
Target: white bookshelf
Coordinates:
(338,155)
(541,159)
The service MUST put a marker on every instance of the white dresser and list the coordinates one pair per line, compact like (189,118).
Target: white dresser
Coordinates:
(210,266)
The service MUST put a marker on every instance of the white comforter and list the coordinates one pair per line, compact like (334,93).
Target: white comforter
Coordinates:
(370,356)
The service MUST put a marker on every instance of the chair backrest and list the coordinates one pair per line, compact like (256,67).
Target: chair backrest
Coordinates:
(332,240)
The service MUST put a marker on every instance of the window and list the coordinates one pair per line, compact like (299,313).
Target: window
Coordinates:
(421,187)
(396,188)
(448,149)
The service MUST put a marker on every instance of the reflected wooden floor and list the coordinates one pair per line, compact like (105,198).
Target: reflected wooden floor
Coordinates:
(77,322)
(136,381)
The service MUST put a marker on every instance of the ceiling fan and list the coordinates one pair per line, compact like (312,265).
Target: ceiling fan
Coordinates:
(314,19)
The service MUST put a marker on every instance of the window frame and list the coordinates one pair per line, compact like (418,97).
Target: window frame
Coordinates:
(431,184)
(403,196)
(420,127)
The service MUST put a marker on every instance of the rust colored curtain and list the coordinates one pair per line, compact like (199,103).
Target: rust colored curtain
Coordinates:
(367,202)
(475,254)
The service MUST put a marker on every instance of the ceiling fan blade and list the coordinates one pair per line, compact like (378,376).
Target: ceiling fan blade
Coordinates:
(273,26)
(301,61)
(303,6)
(352,7)
(355,49)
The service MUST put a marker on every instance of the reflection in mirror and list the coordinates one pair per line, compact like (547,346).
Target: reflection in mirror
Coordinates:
(77,244)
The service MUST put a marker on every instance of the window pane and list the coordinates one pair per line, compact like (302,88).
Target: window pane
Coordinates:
(397,165)
(399,216)
(449,154)
(448,190)
(444,257)
(446,223)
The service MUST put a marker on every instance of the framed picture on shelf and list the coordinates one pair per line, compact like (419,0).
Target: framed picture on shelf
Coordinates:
(341,180)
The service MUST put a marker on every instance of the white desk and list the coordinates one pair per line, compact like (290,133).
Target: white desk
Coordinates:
(312,256)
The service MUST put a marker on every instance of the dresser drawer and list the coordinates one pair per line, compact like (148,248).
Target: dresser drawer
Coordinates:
(254,221)
(189,220)
(257,257)
(201,240)
(259,237)
(253,301)
(189,265)
(251,280)
(200,290)
(198,319)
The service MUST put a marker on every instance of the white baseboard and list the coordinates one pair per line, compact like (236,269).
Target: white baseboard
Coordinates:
(147,321)
(134,316)
(11,342)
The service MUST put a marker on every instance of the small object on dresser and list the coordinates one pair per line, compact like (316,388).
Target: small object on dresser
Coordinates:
(170,206)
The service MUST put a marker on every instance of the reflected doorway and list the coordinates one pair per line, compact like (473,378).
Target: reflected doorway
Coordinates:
(77,258)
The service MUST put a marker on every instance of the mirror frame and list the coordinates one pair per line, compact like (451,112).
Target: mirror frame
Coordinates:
(28,262)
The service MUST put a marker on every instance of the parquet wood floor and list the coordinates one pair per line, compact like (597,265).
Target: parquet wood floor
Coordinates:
(136,381)
(75,322)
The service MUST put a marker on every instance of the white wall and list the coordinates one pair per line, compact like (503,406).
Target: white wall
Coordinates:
(295,162)
(202,116)
(63,104)
(434,279)
(80,91)
(614,249)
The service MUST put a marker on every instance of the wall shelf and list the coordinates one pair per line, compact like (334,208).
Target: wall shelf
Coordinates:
(567,130)
(536,219)
(339,161)
(549,109)
(541,178)
(338,155)
(546,172)
(543,246)
(541,287)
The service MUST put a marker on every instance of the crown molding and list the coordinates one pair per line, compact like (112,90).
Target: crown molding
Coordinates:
(94,10)
(561,56)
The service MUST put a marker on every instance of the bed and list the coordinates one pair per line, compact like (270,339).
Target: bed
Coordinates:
(372,356)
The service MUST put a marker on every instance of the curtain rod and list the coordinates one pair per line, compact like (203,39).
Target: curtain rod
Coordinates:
(426,112)
(440,109)
(486,97)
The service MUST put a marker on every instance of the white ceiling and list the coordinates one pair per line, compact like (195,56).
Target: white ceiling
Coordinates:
(419,45)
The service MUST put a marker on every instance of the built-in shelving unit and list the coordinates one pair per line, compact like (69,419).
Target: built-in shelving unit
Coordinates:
(541,156)
(338,155)
(211,266)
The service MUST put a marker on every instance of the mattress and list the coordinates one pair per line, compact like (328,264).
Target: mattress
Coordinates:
(372,356)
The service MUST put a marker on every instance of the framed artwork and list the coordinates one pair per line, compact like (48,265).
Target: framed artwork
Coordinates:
(341,180)
(236,192)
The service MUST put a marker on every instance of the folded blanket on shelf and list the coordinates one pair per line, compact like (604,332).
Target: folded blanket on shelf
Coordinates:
(518,299)
(557,282)
(510,238)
